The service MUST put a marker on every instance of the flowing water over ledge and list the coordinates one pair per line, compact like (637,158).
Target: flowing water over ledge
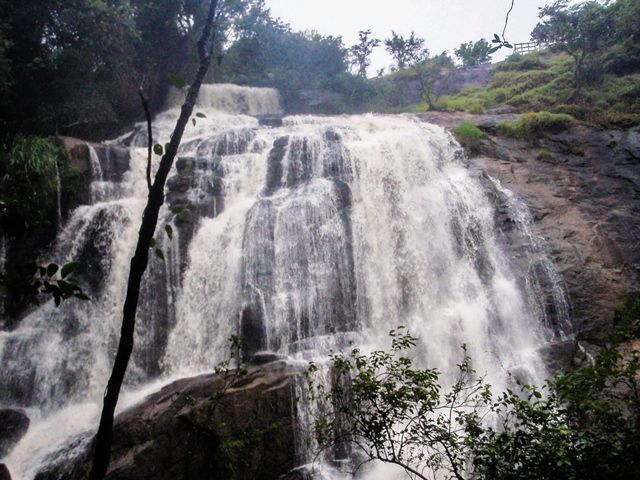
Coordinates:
(300,238)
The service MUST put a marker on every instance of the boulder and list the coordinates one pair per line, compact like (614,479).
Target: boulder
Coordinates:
(13,426)
(197,428)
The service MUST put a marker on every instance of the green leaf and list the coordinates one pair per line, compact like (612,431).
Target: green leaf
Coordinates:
(152,243)
(52,269)
(200,115)
(68,268)
(158,150)
(193,120)
(169,230)
(82,296)
(159,254)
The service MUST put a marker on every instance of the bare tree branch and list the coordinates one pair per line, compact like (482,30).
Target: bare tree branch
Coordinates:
(147,114)
(140,259)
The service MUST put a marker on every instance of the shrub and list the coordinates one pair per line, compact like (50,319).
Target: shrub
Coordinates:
(517,62)
(531,125)
(464,104)
(469,136)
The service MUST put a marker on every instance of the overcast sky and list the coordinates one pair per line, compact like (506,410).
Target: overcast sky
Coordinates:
(445,24)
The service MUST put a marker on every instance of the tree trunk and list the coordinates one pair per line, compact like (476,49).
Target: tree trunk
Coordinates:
(140,259)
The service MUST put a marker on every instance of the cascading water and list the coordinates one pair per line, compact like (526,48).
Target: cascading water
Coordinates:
(300,238)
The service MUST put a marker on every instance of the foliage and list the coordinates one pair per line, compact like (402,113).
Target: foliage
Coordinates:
(74,67)
(469,136)
(531,125)
(519,62)
(28,216)
(582,425)
(599,39)
(360,53)
(472,100)
(268,53)
(474,53)
(427,71)
(29,184)
(404,50)
(579,30)
(66,58)
(396,413)
(535,83)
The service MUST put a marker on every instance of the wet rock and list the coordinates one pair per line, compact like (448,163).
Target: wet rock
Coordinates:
(13,426)
(582,186)
(252,328)
(79,192)
(270,120)
(262,358)
(114,161)
(274,165)
(193,429)
(301,473)
(559,356)
(4,472)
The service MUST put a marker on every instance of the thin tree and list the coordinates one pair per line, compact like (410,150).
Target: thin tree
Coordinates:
(140,259)
(360,53)
(579,30)
(403,50)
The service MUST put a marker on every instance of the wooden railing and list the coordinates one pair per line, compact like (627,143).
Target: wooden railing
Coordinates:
(526,47)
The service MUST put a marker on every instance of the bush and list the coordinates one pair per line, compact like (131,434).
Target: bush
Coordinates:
(582,425)
(517,62)
(531,125)
(29,182)
(469,136)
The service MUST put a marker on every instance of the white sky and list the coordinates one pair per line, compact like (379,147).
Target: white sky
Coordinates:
(444,24)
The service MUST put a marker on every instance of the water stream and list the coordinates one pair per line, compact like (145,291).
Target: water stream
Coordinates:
(300,238)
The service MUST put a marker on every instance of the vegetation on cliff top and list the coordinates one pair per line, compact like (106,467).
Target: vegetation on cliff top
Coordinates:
(591,69)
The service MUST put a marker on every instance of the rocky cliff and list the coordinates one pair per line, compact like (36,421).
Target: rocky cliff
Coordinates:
(582,186)
(212,426)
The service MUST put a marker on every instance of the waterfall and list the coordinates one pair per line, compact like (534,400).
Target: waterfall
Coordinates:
(300,238)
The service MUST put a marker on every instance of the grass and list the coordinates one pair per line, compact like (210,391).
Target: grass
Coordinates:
(469,136)
(531,125)
(545,83)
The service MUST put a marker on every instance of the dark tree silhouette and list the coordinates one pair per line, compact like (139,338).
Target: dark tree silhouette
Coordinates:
(140,259)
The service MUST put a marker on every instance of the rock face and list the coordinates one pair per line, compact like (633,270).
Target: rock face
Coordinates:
(583,188)
(197,429)
(13,426)
(4,472)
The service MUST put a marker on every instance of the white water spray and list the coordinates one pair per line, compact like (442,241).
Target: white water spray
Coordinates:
(301,238)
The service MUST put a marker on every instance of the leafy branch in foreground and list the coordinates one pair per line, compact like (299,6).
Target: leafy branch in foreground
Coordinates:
(582,425)
(390,411)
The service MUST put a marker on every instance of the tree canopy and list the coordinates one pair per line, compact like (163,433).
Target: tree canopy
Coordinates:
(474,53)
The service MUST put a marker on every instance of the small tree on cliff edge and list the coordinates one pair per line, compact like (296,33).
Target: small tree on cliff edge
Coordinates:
(578,30)
(474,53)
(361,52)
(403,50)
(140,259)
